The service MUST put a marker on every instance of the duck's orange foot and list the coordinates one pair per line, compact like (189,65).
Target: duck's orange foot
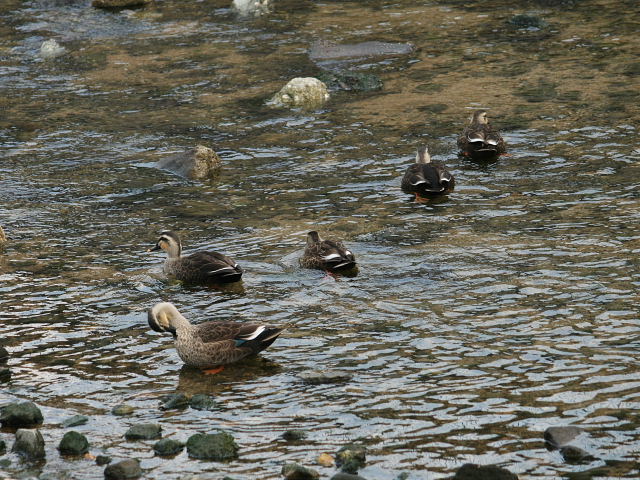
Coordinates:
(212,371)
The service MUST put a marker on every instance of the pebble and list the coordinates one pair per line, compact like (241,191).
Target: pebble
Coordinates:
(201,401)
(175,401)
(325,460)
(167,447)
(352,457)
(573,454)
(123,470)
(75,421)
(294,435)
(103,460)
(122,410)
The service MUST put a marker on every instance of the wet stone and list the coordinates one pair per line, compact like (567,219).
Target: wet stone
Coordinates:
(304,92)
(316,377)
(143,431)
(4,354)
(346,476)
(167,446)
(325,460)
(524,20)
(25,414)
(73,443)
(75,421)
(5,375)
(294,435)
(29,443)
(351,458)
(201,401)
(557,437)
(294,471)
(573,454)
(351,81)
(123,470)
(103,460)
(218,447)
(178,401)
(122,410)
(198,163)
(471,471)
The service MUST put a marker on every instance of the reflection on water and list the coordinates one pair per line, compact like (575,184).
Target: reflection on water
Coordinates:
(475,321)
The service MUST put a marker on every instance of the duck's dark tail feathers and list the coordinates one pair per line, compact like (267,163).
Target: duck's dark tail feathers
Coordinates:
(266,338)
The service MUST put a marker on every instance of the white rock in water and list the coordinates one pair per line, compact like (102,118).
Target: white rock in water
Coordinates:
(251,8)
(51,49)
(307,92)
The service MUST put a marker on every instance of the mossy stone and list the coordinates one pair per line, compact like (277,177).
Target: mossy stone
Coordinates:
(124,470)
(144,431)
(168,446)
(218,447)
(202,401)
(294,471)
(73,443)
(24,414)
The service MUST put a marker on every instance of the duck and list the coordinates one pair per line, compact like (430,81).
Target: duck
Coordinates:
(330,255)
(480,140)
(204,267)
(211,345)
(427,178)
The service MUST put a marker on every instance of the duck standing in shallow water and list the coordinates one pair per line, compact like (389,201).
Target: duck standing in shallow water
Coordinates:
(210,345)
(200,267)
(427,178)
(328,255)
(480,140)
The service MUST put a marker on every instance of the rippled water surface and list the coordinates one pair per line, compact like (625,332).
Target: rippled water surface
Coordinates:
(475,322)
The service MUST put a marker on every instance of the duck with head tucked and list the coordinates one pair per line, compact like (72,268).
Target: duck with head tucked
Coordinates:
(211,345)
(328,255)
(480,140)
(200,267)
(427,178)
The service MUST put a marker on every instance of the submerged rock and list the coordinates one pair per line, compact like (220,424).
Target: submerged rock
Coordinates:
(123,470)
(24,414)
(196,164)
(523,20)
(351,458)
(29,443)
(326,51)
(471,471)
(294,435)
(119,3)
(294,471)
(351,81)
(3,447)
(557,437)
(122,410)
(573,454)
(51,49)
(175,401)
(73,443)
(143,431)
(303,92)
(346,476)
(218,447)
(5,375)
(75,421)
(103,460)
(202,401)
(167,446)
(4,354)
(316,377)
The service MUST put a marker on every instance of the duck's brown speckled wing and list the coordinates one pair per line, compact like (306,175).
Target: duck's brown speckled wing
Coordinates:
(209,332)
(210,266)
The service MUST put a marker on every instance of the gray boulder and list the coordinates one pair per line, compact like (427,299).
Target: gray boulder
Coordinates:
(123,470)
(294,471)
(196,164)
(573,454)
(202,401)
(29,443)
(167,447)
(218,447)
(144,431)
(24,414)
(176,401)
(471,471)
(73,443)
(557,437)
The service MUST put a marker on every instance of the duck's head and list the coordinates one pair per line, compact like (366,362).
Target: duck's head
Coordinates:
(313,238)
(169,242)
(163,317)
(422,155)
(479,117)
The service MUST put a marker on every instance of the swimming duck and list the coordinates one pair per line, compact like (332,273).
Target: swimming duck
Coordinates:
(199,267)
(211,345)
(427,178)
(480,140)
(326,254)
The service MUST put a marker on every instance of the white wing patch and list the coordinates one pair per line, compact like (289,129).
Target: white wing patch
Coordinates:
(492,142)
(418,182)
(255,333)
(332,256)
(219,270)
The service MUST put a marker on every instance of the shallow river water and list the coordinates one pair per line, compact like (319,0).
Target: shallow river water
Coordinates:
(475,322)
